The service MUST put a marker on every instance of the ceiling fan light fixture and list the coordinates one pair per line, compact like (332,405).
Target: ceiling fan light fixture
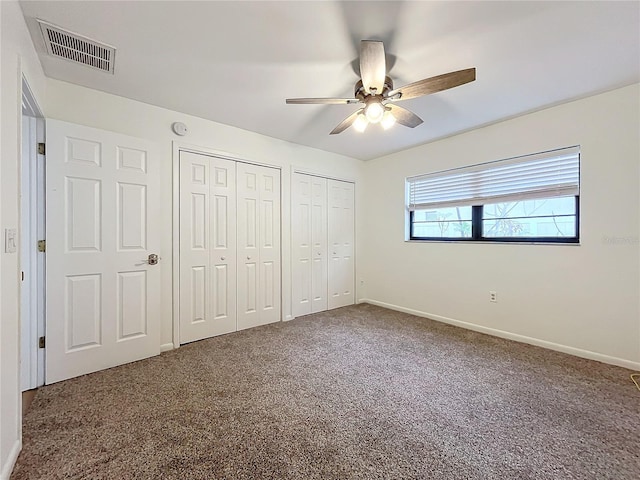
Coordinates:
(374,111)
(360,123)
(375,90)
(388,120)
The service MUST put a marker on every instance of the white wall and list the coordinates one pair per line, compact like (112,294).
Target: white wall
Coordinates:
(581,299)
(17,57)
(100,110)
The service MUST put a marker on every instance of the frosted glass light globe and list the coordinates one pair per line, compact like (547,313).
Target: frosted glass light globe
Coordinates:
(374,112)
(388,120)
(361,122)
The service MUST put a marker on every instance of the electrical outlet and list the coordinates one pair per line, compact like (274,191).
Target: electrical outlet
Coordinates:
(493,296)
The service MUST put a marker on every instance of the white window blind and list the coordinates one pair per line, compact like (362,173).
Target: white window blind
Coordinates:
(541,175)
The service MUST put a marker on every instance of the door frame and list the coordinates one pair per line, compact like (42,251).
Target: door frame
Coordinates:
(175,274)
(32,228)
(328,176)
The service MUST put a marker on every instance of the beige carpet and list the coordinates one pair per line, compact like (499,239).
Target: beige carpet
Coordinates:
(360,392)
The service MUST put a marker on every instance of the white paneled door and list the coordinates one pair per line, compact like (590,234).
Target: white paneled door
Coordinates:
(102,283)
(341,243)
(207,246)
(309,242)
(229,246)
(258,200)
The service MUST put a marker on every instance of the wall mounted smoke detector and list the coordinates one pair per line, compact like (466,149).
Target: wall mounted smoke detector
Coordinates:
(179,128)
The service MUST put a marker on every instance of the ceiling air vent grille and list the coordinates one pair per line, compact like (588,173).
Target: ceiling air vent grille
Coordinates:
(78,49)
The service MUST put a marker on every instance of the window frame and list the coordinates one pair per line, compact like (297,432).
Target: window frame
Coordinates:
(477,233)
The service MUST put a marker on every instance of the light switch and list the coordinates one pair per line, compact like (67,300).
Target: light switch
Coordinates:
(10,235)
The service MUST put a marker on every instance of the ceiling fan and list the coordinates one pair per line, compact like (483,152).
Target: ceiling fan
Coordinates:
(375,90)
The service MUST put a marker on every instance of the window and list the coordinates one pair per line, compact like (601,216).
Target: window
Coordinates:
(447,222)
(534,198)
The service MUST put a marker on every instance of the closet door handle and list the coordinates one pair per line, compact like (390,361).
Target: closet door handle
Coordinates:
(248,257)
(221,258)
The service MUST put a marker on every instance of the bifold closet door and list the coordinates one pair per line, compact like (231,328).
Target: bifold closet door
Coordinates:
(258,200)
(341,243)
(207,246)
(309,242)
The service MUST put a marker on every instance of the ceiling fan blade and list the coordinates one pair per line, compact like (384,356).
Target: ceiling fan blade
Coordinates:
(373,67)
(346,123)
(324,101)
(405,117)
(434,84)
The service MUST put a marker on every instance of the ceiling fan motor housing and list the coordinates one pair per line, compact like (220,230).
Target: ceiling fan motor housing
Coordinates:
(361,94)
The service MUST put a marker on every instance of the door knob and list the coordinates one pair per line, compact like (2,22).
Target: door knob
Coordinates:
(248,257)
(221,258)
(152,259)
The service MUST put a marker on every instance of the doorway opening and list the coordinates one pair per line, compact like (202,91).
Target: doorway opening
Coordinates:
(32,231)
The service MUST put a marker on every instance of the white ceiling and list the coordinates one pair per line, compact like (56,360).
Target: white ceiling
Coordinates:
(236,62)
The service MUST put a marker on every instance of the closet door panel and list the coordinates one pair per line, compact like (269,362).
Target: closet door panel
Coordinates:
(341,234)
(301,211)
(223,245)
(334,213)
(319,244)
(194,246)
(248,200)
(207,247)
(348,243)
(258,245)
(269,237)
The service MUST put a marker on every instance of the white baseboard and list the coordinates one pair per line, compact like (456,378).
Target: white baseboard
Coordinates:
(620,362)
(165,347)
(11,460)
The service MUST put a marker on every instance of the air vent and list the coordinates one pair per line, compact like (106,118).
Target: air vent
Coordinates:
(71,46)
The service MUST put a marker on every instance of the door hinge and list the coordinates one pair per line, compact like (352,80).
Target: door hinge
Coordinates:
(41,342)
(42,245)
(22,276)
(41,148)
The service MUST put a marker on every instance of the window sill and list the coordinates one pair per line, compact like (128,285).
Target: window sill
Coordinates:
(496,242)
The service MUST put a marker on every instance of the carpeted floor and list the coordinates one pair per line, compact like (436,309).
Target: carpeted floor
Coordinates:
(360,392)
